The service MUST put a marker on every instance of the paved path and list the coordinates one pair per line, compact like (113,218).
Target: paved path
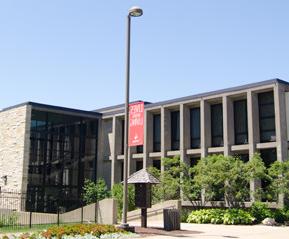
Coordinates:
(209,231)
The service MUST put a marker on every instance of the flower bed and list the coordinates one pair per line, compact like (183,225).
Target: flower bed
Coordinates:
(79,231)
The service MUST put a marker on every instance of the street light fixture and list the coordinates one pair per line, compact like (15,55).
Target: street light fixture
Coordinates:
(132,12)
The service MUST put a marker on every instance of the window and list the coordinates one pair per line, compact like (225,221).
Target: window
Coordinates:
(139,149)
(240,122)
(63,153)
(157,164)
(175,130)
(157,133)
(138,165)
(217,125)
(195,127)
(266,117)
(268,156)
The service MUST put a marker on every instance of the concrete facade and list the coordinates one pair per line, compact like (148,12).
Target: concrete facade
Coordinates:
(204,101)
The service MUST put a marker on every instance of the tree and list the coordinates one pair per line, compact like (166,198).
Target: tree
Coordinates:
(227,177)
(175,180)
(279,178)
(93,192)
(117,193)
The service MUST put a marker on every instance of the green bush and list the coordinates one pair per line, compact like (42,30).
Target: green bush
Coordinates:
(93,192)
(117,193)
(237,216)
(260,211)
(8,220)
(221,216)
(214,216)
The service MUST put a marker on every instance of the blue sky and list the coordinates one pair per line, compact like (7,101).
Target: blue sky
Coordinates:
(72,53)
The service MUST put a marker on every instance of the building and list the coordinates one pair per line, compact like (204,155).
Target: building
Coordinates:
(47,151)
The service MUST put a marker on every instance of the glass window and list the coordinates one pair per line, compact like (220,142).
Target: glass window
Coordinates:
(217,125)
(157,133)
(266,117)
(240,122)
(195,127)
(157,164)
(175,130)
(139,165)
(63,153)
(268,156)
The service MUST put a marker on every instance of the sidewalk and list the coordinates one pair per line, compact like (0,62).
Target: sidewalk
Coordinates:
(202,231)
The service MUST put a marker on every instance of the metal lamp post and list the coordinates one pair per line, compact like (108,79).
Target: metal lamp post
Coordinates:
(133,12)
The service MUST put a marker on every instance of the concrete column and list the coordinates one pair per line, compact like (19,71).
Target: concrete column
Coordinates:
(148,139)
(205,127)
(281,129)
(184,132)
(116,150)
(165,132)
(131,161)
(253,133)
(280,123)
(228,124)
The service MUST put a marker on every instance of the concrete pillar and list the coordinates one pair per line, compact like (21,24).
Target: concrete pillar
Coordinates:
(205,127)
(114,150)
(280,123)
(184,132)
(228,124)
(148,139)
(165,133)
(253,133)
(281,129)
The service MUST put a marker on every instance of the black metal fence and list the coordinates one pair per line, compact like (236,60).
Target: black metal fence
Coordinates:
(16,210)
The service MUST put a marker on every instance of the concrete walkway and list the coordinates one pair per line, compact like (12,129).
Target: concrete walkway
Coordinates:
(209,231)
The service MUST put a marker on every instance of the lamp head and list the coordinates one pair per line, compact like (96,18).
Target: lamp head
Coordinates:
(135,12)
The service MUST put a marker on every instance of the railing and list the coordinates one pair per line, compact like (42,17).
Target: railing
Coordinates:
(17,211)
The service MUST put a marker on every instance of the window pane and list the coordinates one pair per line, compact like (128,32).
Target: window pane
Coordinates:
(217,125)
(157,133)
(240,122)
(266,116)
(175,130)
(195,127)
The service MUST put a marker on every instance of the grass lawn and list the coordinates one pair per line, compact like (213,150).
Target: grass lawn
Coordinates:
(16,229)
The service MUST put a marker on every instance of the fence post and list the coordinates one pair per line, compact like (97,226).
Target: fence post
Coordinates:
(58,211)
(30,219)
(95,212)
(81,212)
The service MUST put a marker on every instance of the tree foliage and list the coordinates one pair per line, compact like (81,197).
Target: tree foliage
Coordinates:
(93,192)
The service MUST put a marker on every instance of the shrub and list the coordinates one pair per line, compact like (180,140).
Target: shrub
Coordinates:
(260,211)
(117,193)
(79,229)
(8,220)
(219,216)
(237,216)
(93,192)
(214,216)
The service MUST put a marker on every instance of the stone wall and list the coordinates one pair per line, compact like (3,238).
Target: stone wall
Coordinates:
(14,148)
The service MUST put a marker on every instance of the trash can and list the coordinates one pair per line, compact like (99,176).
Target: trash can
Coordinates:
(172,219)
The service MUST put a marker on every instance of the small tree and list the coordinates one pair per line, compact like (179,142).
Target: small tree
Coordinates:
(175,180)
(279,178)
(93,192)
(117,193)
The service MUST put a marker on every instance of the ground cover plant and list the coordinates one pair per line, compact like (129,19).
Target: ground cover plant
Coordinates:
(221,216)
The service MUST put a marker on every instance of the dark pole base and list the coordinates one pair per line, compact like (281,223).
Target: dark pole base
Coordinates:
(126,227)
(144,217)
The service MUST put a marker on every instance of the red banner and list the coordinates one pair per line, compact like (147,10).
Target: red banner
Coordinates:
(136,124)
